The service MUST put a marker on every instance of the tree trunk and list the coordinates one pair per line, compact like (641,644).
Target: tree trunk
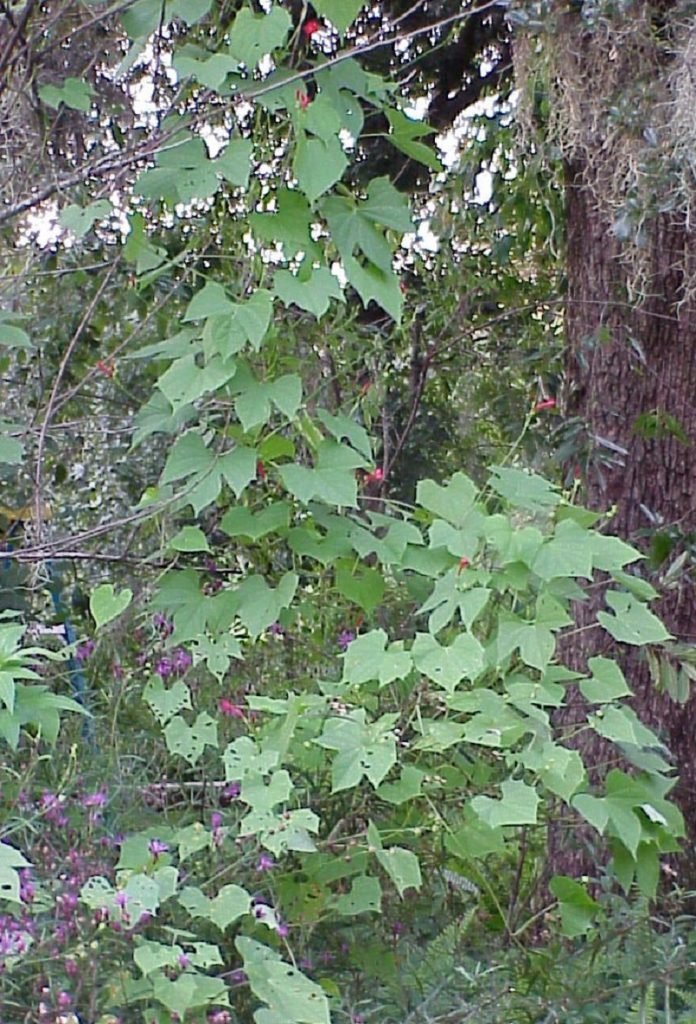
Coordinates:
(631,375)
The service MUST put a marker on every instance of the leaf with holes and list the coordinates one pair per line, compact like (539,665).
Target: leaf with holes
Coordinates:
(282,987)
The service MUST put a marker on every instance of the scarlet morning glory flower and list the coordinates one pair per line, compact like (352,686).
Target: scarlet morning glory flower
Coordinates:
(310,27)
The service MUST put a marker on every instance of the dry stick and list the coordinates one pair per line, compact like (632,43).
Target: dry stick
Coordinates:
(38,481)
(415,404)
(12,41)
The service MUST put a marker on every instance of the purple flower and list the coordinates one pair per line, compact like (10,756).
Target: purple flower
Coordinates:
(220,1016)
(238,977)
(265,862)
(275,629)
(85,650)
(345,638)
(230,793)
(97,799)
(183,960)
(157,847)
(164,667)
(215,820)
(181,660)
(163,624)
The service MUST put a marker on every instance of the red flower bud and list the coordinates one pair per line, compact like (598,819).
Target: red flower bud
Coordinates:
(310,27)
(464,563)
(303,99)
(548,403)
(375,477)
(260,470)
(105,367)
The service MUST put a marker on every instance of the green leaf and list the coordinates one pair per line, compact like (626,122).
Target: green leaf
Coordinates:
(363,749)
(561,770)
(234,163)
(286,991)
(190,11)
(372,283)
(344,428)
(153,956)
(407,786)
(245,322)
(253,36)
(447,666)
(341,13)
(365,896)
(79,220)
(106,604)
(523,489)
(260,605)
(289,224)
(312,294)
(632,622)
(360,584)
(404,133)
(518,805)
(567,553)
(622,725)
(12,336)
(11,450)
(190,538)
(333,481)
(188,455)
(607,683)
(452,502)
(402,867)
(165,703)
(217,652)
(11,860)
(535,642)
(210,72)
(387,206)
(318,165)
(142,18)
(578,909)
(74,93)
(238,467)
(286,394)
(241,522)
(231,903)
(211,300)
(367,658)
(189,741)
(139,250)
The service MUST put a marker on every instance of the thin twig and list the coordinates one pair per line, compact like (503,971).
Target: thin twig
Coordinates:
(67,355)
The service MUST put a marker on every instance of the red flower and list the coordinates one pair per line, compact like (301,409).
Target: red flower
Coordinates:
(310,27)
(105,367)
(375,477)
(303,99)
(260,470)
(229,708)
(464,563)
(548,403)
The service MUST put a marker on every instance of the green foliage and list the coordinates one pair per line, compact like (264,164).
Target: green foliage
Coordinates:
(372,689)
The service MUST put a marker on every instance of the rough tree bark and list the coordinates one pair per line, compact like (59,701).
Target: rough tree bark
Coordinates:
(626,359)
